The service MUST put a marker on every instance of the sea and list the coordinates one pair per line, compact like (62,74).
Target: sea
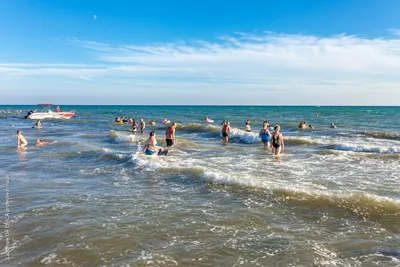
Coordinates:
(93,198)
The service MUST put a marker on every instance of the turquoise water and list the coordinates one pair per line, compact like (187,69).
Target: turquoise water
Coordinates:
(93,198)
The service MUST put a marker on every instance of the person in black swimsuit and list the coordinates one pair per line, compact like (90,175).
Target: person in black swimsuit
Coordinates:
(277,141)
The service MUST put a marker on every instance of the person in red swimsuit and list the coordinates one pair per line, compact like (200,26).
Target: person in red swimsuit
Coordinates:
(58,109)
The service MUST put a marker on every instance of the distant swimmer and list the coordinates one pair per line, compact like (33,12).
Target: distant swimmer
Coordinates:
(226,129)
(247,127)
(310,126)
(21,140)
(277,141)
(151,146)
(152,123)
(37,124)
(208,120)
(142,125)
(57,109)
(117,119)
(268,125)
(40,142)
(316,115)
(333,125)
(130,120)
(134,126)
(265,135)
(170,134)
(165,121)
(302,125)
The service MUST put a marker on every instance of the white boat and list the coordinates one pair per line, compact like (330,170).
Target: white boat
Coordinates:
(46,113)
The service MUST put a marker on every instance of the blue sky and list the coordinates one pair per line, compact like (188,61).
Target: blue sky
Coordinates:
(200,52)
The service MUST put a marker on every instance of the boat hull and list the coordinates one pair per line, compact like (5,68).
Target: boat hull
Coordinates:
(51,115)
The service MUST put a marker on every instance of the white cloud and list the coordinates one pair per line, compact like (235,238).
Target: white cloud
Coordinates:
(94,16)
(302,68)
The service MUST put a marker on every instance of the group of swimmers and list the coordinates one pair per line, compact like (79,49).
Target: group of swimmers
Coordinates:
(273,140)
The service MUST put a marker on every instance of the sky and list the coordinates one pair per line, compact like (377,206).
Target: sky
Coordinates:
(311,52)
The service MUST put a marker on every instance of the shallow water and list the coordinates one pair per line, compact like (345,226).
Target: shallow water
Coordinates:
(93,198)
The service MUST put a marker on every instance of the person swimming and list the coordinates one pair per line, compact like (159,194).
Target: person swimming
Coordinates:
(165,121)
(37,124)
(208,120)
(152,123)
(333,125)
(265,135)
(302,125)
(40,142)
(277,141)
(247,127)
(21,141)
(310,126)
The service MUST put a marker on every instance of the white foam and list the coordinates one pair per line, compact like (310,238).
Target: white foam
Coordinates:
(366,148)
(245,137)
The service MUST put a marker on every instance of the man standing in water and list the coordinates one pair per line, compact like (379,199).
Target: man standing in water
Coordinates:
(142,125)
(226,128)
(21,140)
(170,134)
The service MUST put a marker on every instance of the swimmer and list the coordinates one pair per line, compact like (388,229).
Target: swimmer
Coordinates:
(277,141)
(248,128)
(152,122)
(208,120)
(130,120)
(226,129)
(302,125)
(21,140)
(37,124)
(40,142)
(151,145)
(310,126)
(316,115)
(117,119)
(57,109)
(142,125)
(265,135)
(134,126)
(165,121)
(170,134)
(333,125)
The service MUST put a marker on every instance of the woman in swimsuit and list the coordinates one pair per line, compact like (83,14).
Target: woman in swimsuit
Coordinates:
(150,147)
(37,124)
(265,135)
(134,126)
(277,141)
(248,128)
(21,140)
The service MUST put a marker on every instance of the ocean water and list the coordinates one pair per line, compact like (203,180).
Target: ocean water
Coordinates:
(93,198)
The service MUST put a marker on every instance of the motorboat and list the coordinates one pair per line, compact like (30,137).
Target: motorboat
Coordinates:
(47,113)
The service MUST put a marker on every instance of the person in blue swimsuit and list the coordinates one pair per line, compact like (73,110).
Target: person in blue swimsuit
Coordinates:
(151,146)
(265,135)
